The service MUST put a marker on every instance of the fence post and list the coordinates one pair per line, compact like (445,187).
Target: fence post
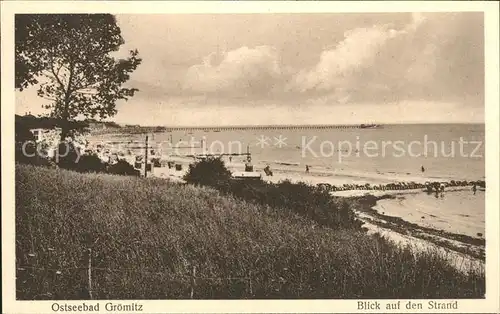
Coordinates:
(250,283)
(146,159)
(90,273)
(193,281)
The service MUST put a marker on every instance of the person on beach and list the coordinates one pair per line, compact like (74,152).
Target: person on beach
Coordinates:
(423,169)
(441,188)
(307,168)
(474,189)
(230,159)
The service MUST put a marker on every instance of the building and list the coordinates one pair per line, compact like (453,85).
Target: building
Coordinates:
(41,134)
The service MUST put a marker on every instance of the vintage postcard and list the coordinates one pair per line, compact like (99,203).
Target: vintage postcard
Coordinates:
(256,157)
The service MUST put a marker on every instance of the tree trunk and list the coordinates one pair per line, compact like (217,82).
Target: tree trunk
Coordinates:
(65,119)
(65,116)
(62,148)
(64,128)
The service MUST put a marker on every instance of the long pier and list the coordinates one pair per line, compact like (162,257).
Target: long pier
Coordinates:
(266,127)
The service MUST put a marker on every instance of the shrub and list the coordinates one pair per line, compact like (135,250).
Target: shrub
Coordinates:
(22,134)
(308,201)
(70,158)
(122,167)
(209,172)
(28,155)
(67,156)
(90,163)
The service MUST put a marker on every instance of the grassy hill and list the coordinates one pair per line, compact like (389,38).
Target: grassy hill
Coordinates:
(146,235)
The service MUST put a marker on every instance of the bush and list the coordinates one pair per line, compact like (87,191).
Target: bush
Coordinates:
(22,134)
(71,159)
(122,167)
(90,163)
(208,172)
(308,201)
(29,155)
(68,156)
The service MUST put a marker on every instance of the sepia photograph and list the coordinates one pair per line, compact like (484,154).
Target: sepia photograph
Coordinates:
(250,156)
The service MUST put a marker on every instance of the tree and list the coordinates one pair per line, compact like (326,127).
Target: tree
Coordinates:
(70,55)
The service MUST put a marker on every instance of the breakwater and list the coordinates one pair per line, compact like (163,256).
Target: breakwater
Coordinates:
(429,186)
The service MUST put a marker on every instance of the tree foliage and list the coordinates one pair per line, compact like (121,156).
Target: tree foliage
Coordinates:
(70,55)
(26,69)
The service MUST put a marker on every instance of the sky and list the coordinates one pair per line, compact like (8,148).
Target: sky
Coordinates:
(335,68)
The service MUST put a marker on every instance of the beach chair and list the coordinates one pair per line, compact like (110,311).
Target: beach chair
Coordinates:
(268,171)
(248,167)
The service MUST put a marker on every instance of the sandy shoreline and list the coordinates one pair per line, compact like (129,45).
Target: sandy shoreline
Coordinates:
(315,176)
(462,262)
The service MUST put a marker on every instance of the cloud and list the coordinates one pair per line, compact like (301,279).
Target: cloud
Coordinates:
(440,58)
(342,58)
(335,67)
(240,71)
(435,56)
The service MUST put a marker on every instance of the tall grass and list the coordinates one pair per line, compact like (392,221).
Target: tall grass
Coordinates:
(147,234)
